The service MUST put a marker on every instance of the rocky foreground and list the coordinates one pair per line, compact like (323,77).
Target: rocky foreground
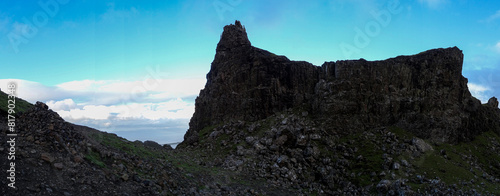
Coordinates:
(265,125)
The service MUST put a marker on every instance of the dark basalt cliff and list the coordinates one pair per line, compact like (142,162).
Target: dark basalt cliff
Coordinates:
(425,93)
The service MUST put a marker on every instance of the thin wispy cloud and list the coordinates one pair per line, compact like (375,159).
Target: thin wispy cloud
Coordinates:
(433,4)
(493,17)
(483,61)
(4,23)
(112,14)
(497,47)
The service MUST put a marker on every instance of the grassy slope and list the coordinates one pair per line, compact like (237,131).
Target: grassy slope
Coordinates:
(21,105)
(453,164)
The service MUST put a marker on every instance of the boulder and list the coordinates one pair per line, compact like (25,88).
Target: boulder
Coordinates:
(152,144)
(41,105)
(47,157)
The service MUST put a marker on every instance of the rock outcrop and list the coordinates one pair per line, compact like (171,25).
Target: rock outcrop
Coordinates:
(493,102)
(423,93)
(351,127)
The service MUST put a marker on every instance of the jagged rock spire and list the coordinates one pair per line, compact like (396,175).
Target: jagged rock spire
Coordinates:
(233,37)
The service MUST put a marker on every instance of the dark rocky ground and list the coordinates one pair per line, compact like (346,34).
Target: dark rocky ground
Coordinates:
(287,150)
(284,154)
(265,125)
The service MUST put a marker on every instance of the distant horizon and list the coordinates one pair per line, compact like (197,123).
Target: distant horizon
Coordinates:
(135,68)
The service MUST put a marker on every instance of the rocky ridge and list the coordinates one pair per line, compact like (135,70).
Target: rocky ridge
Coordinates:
(425,94)
(265,125)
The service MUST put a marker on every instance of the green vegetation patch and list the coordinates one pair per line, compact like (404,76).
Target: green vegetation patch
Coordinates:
(205,132)
(436,166)
(372,159)
(401,133)
(124,145)
(456,166)
(20,104)
(95,158)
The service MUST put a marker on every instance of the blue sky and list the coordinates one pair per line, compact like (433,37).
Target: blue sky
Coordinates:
(125,66)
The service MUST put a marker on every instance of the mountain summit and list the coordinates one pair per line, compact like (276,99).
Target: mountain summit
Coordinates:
(425,94)
(234,37)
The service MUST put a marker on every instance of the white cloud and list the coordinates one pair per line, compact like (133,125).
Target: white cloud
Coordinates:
(434,4)
(90,112)
(66,104)
(108,92)
(115,106)
(148,89)
(89,99)
(479,91)
(33,91)
(164,122)
(81,85)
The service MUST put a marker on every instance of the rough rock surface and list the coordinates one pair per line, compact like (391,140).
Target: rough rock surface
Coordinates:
(265,125)
(424,93)
(493,102)
(54,157)
(402,126)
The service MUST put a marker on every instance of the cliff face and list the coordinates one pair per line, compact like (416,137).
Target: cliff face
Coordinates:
(425,93)
(247,83)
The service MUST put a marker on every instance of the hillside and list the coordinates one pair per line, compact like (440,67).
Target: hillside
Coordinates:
(54,157)
(21,105)
(266,125)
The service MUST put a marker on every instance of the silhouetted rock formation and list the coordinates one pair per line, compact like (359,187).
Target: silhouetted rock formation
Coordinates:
(424,93)
(265,125)
(493,102)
